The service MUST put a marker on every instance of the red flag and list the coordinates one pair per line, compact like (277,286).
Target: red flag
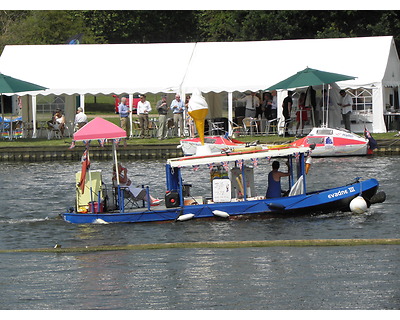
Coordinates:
(85,167)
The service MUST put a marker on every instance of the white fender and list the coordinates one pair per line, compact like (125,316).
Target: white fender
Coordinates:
(100,221)
(358,205)
(185,217)
(221,214)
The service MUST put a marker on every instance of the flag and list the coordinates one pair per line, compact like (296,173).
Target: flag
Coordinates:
(225,164)
(240,163)
(196,167)
(255,162)
(372,142)
(85,167)
(102,142)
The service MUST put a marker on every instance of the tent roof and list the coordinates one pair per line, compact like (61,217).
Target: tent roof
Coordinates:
(105,68)
(99,128)
(207,66)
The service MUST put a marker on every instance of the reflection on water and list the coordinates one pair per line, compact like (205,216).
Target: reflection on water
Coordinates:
(247,278)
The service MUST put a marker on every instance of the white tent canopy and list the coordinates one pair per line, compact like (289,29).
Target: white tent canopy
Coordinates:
(100,69)
(208,66)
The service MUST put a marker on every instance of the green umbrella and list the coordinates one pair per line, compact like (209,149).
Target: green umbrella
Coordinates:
(309,77)
(12,85)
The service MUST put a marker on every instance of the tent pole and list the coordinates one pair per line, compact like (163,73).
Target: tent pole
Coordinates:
(2,112)
(119,191)
(230,112)
(82,102)
(34,133)
(130,114)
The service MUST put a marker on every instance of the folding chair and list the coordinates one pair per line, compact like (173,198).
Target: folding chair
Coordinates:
(235,128)
(135,129)
(132,197)
(170,127)
(53,132)
(272,126)
(250,125)
(215,128)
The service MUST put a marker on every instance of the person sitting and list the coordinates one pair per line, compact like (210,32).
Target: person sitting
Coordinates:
(274,180)
(124,181)
(57,122)
(80,119)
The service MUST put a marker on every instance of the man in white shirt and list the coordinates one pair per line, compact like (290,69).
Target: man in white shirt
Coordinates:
(252,103)
(346,102)
(143,110)
(80,119)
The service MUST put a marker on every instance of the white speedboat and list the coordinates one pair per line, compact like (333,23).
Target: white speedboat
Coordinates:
(330,142)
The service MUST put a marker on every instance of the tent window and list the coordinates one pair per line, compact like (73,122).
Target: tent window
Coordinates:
(362,99)
(46,105)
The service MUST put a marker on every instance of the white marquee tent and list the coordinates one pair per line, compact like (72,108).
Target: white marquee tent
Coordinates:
(209,67)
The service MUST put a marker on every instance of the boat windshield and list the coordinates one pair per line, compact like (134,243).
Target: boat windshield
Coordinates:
(326,132)
(317,140)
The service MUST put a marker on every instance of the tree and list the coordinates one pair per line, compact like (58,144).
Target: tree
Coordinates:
(130,26)
(43,27)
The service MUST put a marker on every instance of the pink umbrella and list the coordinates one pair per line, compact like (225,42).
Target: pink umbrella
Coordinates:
(99,128)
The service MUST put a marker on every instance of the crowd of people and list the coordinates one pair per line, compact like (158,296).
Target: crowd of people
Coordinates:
(177,108)
(174,120)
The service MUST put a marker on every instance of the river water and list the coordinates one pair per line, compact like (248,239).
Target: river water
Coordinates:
(280,278)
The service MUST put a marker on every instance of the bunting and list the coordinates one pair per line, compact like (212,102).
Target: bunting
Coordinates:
(196,167)
(102,142)
(255,162)
(225,164)
(240,163)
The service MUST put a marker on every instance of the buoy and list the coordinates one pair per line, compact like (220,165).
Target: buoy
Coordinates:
(358,205)
(100,221)
(185,217)
(221,214)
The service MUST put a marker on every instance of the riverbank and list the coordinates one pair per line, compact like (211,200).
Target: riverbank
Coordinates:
(132,150)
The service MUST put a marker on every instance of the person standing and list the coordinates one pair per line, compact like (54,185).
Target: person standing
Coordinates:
(123,110)
(346,103)
(162,109)
(80,119)
(287,109)
(178,108)
(274,180)
(252,103)
(301,114)
(143,110)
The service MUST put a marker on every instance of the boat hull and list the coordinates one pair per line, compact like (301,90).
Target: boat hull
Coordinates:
(329,142)
(330,200)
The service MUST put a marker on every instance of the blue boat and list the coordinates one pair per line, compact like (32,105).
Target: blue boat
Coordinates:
(232,194)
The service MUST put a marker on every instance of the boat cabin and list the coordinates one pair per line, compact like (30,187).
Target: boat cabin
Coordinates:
(232,176)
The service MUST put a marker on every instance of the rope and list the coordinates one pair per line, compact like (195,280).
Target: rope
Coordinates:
(220,245)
